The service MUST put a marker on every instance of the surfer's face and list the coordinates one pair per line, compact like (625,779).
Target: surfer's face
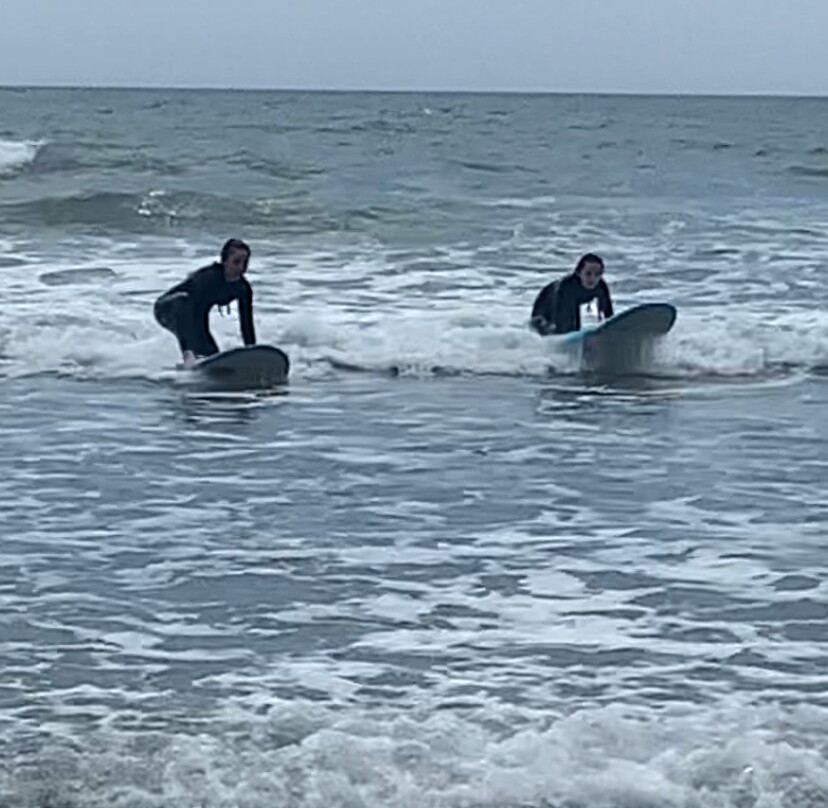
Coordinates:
(590,274)
(235,265)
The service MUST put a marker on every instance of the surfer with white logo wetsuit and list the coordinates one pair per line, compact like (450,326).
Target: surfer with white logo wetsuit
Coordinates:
(185,309)
(557,308)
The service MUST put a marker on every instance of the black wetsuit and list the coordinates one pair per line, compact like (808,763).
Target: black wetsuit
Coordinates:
(185,308)
(557,308)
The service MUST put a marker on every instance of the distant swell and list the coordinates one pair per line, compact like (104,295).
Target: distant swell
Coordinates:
(273,168)
(160,211)
(809,171)
(93,156)
(491,168)
(102,209)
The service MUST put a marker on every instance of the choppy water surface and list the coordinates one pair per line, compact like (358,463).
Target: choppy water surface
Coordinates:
(466,575)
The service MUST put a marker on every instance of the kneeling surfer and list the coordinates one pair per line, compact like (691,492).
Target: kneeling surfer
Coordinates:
(184,310)
(557,308)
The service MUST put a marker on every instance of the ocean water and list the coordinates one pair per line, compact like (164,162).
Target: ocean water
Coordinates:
(441,567)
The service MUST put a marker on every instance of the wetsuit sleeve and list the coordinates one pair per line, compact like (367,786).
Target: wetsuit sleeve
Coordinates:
(605,301)
(542,309)
(246,315)
(539,308)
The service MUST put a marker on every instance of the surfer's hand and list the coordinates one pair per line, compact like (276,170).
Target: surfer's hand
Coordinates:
(189,359)
(540,324)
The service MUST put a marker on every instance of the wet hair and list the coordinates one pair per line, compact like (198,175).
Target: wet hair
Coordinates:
(589,258)
(233,244)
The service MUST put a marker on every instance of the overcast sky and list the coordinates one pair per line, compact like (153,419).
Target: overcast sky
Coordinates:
(673,46)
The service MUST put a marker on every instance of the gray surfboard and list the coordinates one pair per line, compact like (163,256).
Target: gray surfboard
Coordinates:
(624,342)
(245,367)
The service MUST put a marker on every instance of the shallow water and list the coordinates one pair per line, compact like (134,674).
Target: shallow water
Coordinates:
(467,575)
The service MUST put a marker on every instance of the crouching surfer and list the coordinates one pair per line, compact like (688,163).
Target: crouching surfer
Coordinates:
(557,308)
(184,310)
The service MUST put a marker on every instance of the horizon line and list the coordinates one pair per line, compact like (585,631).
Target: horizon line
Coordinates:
(412,91)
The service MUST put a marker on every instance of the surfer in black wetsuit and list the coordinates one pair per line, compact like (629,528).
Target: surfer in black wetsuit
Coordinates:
(185,309)
(557,308)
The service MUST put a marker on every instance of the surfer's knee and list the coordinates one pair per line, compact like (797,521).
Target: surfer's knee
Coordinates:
(162,313)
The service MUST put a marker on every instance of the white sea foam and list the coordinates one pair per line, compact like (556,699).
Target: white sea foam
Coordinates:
(302,755)
(14,154)
(97,320)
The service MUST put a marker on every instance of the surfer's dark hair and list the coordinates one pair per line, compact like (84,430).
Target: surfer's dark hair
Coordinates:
(589,258)
(233,244)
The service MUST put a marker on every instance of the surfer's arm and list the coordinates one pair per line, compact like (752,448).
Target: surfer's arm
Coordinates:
(605,301)
(542,318)
(246,316)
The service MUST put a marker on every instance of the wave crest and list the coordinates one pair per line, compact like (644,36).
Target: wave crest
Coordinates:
(16,154)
